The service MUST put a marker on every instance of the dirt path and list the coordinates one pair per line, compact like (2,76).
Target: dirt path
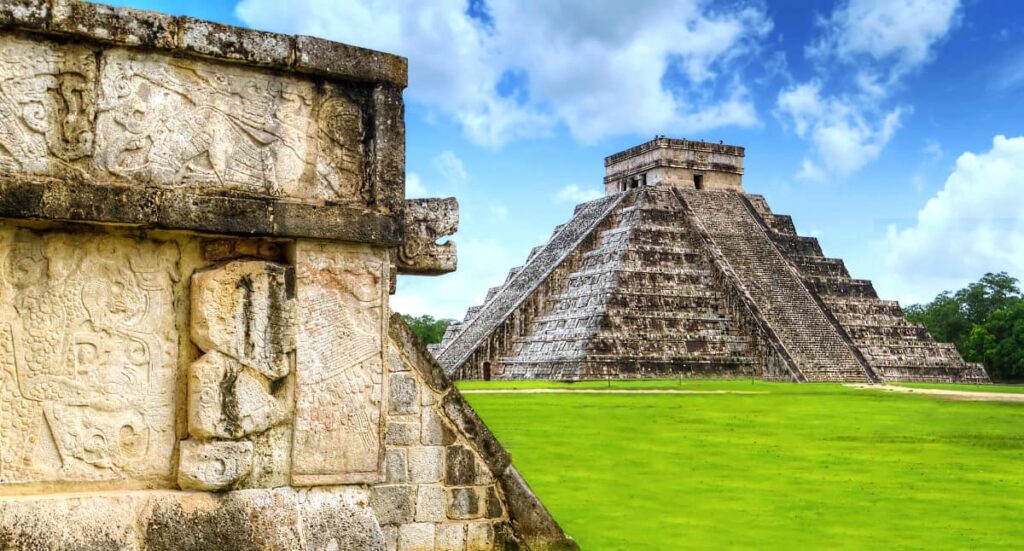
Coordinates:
(602,391)
(970,395)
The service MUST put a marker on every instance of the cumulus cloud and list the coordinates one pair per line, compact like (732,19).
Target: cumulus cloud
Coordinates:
(864,49)
(450,166)
(513,70)
(575,194)
(975,224)
(842,135)
(899,33)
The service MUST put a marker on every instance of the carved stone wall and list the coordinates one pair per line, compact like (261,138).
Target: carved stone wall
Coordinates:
(199,230)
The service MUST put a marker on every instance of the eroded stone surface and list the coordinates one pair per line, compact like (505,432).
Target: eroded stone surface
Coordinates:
(88,351)
(340,372)
(213,465)
(426,221)
(245,310)
(228,401)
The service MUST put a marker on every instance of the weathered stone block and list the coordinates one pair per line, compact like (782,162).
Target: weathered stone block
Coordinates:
(416,536)
(494,509)
(430,504)
(426,464)
(464,504)
(405,397)
(216,40)
(479,536)
(470,424)
(321,56)
(426,221)
(460,466)
(29,14)
(245,310)
(227,401)
(436,431)
(393,504)
(403,434)
(115,25)
(450,537)
(213,466)
(396,466)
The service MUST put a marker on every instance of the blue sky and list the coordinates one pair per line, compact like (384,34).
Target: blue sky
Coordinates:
(892,130)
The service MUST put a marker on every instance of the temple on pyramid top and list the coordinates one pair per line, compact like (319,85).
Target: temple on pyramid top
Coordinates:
(677,271)
(678,163)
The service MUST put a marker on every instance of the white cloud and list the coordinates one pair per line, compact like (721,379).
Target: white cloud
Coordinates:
(597,67)
(898,33)
(865,48)
(414,187)
(450,166)
(933,150)
(975,224)
(841,134)
(574,194)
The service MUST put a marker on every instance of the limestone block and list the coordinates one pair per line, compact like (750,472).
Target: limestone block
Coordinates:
(426,464)
(435,431)
(213,465)
(479,536)
(403,434)
(460,466)
(493,503)
(430,504)
(396,466)
(450,537)
(417,536)
(340,368)
(393,504)
(405,397)
(88,357)
(426,221)
(464,503)
(228,401)
(244,309)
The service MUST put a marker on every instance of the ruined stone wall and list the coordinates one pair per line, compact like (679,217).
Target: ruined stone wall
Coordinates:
(200,229)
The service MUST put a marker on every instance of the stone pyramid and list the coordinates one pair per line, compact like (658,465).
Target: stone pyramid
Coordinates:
(678,271)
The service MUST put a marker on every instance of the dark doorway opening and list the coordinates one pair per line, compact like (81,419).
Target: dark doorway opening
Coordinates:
(487,371)
(698,181)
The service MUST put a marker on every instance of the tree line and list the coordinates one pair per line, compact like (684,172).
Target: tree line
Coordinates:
(985,320)
(428,329)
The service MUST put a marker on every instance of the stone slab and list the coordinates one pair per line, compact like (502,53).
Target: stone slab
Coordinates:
(341,377)
(89,357)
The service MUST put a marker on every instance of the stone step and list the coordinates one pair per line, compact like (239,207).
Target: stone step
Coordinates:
(820,266)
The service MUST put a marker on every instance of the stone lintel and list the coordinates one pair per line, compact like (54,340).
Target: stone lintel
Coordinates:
(163,208)
(131,27)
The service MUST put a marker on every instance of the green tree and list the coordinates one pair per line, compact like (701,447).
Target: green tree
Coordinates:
(999,342)
(428,329)
(993,292)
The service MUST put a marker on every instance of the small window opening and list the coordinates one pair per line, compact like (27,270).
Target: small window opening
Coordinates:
(698,181)
(487,371)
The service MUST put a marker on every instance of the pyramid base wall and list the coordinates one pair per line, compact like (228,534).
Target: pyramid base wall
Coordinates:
(626,369)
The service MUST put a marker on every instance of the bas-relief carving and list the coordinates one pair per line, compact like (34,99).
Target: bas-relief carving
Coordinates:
(151,118)
(88,349)
(426,221)
(46,106)
(339,365)
(180,122)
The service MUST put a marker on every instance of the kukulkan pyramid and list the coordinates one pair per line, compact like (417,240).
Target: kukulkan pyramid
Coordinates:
(678,271)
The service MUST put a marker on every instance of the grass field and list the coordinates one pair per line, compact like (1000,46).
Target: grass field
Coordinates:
(1014,389)
(797,466)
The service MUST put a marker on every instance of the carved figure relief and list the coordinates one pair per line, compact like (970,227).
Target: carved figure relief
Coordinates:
(46,105)
(192,123)
(340,367)
(339,168)
(88,352)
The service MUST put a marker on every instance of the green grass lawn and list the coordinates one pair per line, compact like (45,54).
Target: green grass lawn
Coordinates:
(800,466)
(1014,389)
